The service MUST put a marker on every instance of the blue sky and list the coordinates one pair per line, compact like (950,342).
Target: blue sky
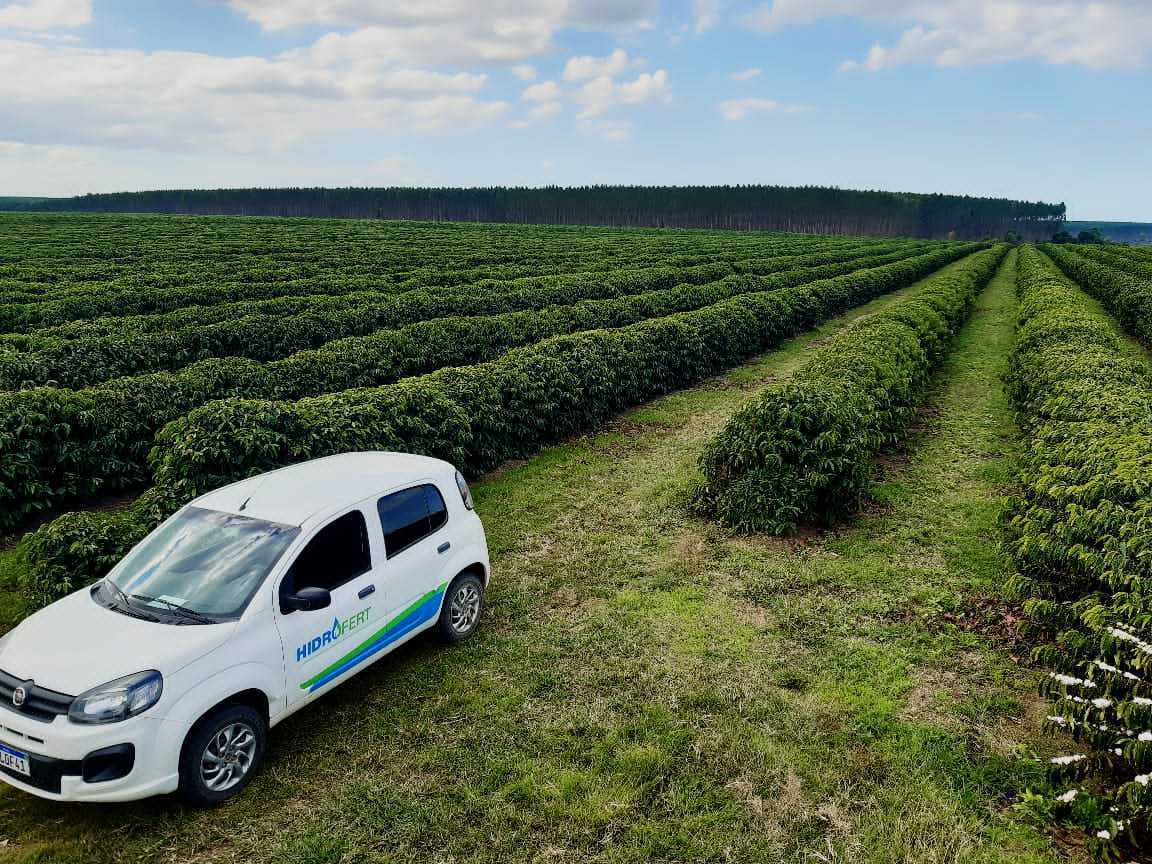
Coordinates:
(1035,99)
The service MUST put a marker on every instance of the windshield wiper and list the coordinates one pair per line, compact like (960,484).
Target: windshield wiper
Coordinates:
(189,614)
(128,608)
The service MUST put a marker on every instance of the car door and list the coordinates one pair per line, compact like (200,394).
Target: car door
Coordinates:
(414,522)
(322,647)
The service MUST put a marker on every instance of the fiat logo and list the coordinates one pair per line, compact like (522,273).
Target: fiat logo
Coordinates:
(18,696)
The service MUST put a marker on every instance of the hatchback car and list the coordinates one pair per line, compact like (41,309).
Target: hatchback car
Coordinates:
(243,607)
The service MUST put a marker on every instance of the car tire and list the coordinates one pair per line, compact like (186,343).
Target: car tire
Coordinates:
(222,754)
(462,608)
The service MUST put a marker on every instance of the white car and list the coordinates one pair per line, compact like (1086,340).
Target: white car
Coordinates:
(243,607)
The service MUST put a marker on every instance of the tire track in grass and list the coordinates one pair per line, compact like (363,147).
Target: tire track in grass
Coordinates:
(646,688)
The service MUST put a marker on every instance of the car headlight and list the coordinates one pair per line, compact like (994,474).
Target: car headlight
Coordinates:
(118,700)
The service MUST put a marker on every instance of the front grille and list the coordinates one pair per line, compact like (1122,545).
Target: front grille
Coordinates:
(40,704)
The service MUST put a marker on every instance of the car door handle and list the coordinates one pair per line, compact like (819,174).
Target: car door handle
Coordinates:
(364,592)
(443,547)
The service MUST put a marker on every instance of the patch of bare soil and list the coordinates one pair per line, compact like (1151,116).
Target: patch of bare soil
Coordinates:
(994,618)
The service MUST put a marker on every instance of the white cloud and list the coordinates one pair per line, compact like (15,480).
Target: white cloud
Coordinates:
(456,43)
(706,13)
(538,113)
(544,110)
(29,169)
(592,14)
(1097,34)
(585,66)
(176,100)
(647,87)
(45,14)
(601,94)
(545,91)
(446,31)
(613,131)
(740,109)
(745,74)
(384,66)
(616,131)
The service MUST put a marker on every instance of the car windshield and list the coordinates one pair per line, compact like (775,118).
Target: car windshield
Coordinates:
(202,566)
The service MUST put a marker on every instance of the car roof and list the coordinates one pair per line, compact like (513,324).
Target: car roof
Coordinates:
(293,495)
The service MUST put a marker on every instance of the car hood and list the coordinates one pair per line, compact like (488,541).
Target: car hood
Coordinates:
(76,644)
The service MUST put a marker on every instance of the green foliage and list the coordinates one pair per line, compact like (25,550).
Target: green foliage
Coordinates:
(60,444)
(86,353)
(802,451)
(75,541)
(1122,283)
(483,414)
(1079,531)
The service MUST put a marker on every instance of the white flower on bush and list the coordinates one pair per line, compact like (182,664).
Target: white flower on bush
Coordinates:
(1142,779)
(1070,681)
(1068,760)
(1101,702)
(1107,667)
(1068,797)
(1125,636)
(1104,835)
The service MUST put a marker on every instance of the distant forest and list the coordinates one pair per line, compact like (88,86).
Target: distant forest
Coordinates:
(1136,233)
(806,209)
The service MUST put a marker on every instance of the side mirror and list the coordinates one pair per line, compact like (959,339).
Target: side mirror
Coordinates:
(306,600)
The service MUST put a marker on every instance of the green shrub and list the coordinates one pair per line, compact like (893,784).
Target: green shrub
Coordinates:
(324,262)
(1079,530)
(60,444)
(802,451)
(475,416)
(1113,282)
(278,328)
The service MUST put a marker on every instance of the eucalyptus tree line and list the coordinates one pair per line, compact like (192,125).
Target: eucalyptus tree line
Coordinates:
(807,209)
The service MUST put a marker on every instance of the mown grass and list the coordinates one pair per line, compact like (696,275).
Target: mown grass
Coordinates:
(647,688)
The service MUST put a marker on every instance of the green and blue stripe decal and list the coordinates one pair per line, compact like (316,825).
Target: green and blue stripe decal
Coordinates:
(420,612)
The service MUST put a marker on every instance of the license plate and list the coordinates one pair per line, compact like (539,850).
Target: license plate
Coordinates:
(14,760)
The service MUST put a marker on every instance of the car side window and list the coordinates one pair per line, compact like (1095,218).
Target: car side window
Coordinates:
(437,512)
(410,515)
(336,555)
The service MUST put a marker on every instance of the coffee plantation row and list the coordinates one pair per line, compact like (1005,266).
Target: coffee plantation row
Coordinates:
(284,327)
(148,265)
(801,453)
(1117,281)
(68,443)
(1078,529)
(487,405)
(1080,533)
(81,400)
(170,356)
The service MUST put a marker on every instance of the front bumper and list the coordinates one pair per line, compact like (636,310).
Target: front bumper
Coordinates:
(75,762)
